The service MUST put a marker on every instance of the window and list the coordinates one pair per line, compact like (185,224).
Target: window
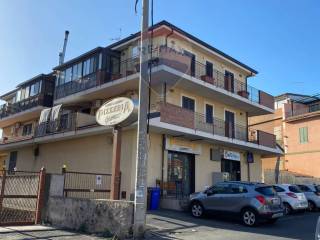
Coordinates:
(89,66)
(304,188)
(61,78)
(77,71)
(209,69)
(267,191)
(188,103)
(27,92)
(278,189)
(209,113)
(294,189)
(237,189)
(35,89)
(135,51)
(303,134)
(220,189)
(12,161)
(18,96)
(68,74)
(27,130)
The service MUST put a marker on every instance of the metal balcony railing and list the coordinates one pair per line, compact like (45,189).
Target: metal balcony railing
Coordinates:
(179,116)
(39,100)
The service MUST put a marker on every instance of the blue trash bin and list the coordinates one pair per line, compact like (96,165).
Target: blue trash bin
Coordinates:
(155,199)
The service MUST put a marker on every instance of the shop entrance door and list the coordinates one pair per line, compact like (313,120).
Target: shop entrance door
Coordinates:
(181,174)
(232,167)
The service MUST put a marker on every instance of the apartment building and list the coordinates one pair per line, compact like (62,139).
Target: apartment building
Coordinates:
(200,105)
(295,123)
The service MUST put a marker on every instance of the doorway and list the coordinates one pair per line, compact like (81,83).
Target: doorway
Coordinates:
(181,174)
(232,167)
(229,124)
(229,81)
(193,62)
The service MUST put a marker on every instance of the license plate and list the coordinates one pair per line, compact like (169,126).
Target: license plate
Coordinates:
(277,215)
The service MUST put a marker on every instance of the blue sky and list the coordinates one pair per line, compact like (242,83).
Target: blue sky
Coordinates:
(280,39)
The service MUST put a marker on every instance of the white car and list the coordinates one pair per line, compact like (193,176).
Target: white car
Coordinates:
(292,197)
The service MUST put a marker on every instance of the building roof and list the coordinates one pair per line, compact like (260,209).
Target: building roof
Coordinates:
(188,35)
(299,98)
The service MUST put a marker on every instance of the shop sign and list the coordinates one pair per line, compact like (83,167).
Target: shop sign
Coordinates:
(250,158)
(119,111)
(231,155)
(182,145)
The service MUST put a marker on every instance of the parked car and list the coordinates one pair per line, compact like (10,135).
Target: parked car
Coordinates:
(292,197)
(253,202)
(312,193)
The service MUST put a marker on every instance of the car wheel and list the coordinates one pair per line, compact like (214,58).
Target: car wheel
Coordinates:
(287,208)
(311,206)
(249,217)
(197,209)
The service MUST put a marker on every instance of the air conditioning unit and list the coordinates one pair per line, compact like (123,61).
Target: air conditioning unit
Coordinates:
(97,103)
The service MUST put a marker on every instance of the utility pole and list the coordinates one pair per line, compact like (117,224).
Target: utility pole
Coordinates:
(142,148)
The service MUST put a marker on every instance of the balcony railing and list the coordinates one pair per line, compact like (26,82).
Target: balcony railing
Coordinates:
(66,123)
(10,109)
(296,109)
(123,69)
(167,56)
(179,116)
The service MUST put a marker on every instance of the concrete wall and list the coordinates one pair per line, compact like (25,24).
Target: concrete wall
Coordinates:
(303,157)
(92,216)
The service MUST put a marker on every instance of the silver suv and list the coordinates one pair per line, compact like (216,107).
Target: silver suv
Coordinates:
(252,201)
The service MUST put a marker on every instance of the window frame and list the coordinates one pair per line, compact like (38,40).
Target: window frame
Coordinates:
(191,98)
(303,135)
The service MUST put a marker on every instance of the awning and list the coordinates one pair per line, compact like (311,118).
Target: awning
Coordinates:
(55,112)
(44,116)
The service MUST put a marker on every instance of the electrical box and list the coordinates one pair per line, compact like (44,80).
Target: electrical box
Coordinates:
(220,177)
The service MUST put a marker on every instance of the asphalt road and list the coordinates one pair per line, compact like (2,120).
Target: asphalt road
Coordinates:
(176,225)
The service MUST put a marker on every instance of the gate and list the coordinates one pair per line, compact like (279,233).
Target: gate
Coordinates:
(21,197)
(87,185)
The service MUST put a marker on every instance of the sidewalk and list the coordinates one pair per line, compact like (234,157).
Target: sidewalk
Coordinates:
(41,232)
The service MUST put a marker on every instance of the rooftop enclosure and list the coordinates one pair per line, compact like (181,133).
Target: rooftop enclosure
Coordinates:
(105,66)
(33,93)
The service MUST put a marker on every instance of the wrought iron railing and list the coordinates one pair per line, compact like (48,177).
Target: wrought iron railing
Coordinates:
(23,105)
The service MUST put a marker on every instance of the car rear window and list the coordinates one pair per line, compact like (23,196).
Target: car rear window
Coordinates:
(294,189)
(304,188)
(267,191)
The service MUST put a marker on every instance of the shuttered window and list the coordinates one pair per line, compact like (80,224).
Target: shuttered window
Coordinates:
(303,134)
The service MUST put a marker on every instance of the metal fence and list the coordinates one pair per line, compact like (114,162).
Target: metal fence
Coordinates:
(87,185)
(21,197)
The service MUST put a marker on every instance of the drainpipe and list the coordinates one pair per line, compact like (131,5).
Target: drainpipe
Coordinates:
(162,163)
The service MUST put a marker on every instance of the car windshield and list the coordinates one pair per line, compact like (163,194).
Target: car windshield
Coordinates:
(267,190)
(294,189)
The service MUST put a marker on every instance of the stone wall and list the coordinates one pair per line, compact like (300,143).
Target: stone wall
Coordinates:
(91,216)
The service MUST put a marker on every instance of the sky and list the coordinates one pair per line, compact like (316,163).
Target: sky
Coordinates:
(280,39)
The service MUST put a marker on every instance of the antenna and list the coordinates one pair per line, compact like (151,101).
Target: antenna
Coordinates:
(117,38)
(63,53)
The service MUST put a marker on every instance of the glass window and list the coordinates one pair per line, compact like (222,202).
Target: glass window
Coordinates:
(220,189)
(61,78)
(27,92)
(93,64)
(18,96)
(188,103)
(86,67)
(135,51)
(77,71)
(68,74)
(12,161)
(209,113)
(27,130)
(303,134)
(209,69)
(278,189)
(235,188)
(294,189)
(100,61)
(267,190)
(304,188)
(35,89)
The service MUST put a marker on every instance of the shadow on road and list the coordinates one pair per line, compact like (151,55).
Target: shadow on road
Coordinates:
(300,226)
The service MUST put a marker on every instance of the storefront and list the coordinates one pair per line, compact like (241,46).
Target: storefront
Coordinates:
(230,163)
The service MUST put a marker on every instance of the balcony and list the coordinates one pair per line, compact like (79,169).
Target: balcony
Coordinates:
(66,123)
(178,116)
(296,110)
(173,68)
(23,110)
